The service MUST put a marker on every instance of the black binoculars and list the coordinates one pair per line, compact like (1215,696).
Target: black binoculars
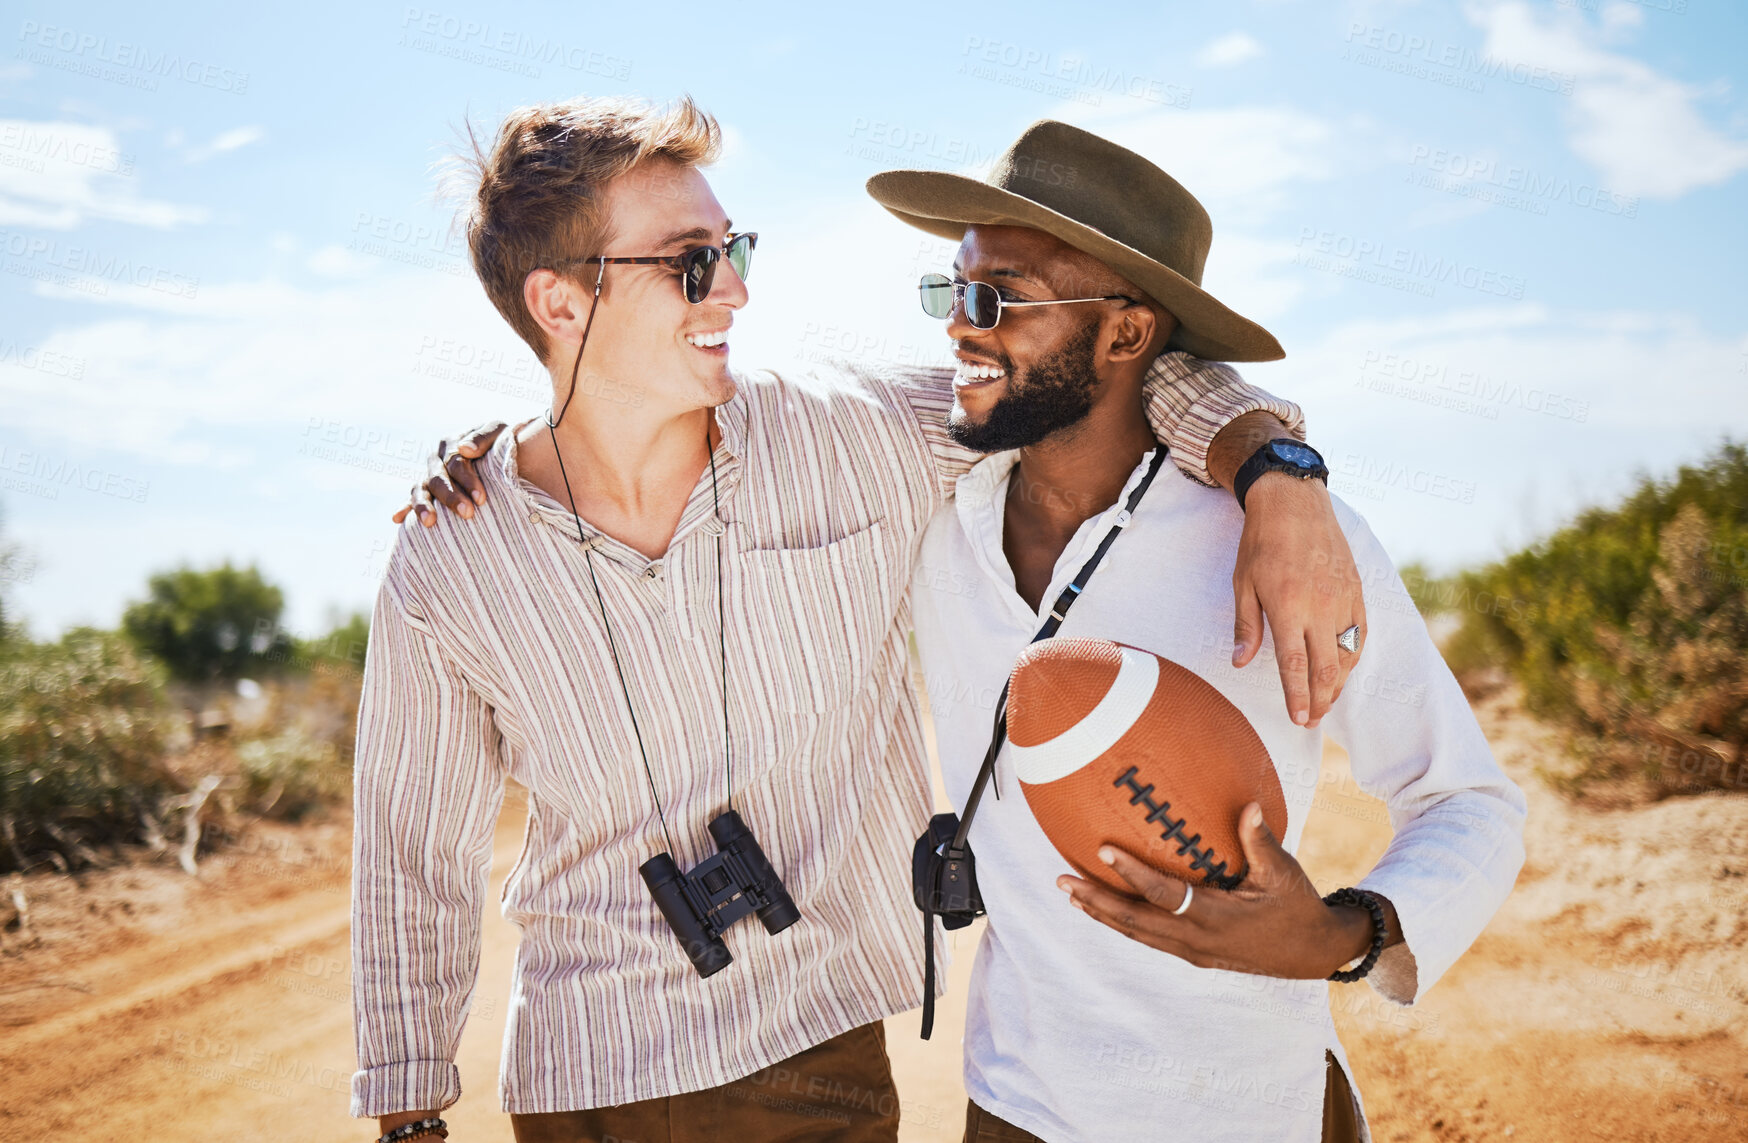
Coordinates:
(702,904)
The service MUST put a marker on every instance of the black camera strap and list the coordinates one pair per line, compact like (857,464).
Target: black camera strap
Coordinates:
(1051,625)
(957,849)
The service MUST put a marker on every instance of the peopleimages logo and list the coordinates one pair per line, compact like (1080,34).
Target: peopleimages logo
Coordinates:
(38,147)
(1066,76)
(1520,188)
(45,476)
(1411,54)
(884,141)
(1361,473)
(118,60)
(1366,258)
(42,360)
(511,49)
(1464,390)
(82,260)
(426,245)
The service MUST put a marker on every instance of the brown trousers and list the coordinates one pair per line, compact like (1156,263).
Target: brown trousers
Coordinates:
(839,1091)
(1339,1123)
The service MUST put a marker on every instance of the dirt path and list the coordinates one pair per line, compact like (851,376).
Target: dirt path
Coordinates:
(217,1006)
(1605,1002)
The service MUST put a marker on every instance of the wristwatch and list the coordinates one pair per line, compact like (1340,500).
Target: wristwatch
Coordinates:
(1295,458)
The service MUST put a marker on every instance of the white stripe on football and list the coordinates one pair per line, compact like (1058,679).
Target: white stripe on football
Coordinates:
(1096,733)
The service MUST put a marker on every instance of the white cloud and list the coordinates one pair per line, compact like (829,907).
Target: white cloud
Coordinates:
(238,137)
(1229,50)
(235,138)
(734,143)
(1620,16)
(172,380)
(1642,130)
(335,261)
(58,175)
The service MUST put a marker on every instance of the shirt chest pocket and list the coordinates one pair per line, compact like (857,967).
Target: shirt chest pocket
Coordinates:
(814,619)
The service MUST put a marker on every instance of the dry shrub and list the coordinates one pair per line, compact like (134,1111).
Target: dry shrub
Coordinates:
(1630,626)
(83,723)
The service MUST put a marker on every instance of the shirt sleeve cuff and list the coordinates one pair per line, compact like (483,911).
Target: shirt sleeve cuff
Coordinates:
(1395,976)
(411,1085)
(1190,400)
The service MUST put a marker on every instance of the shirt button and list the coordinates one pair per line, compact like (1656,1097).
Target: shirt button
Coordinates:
(654,571)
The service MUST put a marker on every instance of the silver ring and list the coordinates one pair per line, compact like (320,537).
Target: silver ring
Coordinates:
(1349,640)
(1189,892)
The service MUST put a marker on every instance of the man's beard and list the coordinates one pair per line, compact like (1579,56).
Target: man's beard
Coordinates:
(1054,394)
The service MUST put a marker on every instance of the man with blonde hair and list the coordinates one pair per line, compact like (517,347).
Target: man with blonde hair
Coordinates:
(678,617)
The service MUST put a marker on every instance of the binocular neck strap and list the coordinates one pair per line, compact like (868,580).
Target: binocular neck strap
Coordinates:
(612,644)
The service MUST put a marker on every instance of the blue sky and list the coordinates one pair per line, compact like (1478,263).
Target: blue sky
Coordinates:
(1501,241)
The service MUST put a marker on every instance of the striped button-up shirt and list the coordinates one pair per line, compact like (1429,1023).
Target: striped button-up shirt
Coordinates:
(488,659)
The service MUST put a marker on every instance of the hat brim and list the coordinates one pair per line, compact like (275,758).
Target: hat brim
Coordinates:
(945,204)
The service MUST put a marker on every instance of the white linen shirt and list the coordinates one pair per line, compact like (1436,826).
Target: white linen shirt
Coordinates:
(1077,1033)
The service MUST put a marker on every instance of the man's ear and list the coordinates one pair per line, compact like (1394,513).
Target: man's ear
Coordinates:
(1134,334)
(557,305)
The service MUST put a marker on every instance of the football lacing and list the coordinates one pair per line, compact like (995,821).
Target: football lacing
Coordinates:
(1213,872)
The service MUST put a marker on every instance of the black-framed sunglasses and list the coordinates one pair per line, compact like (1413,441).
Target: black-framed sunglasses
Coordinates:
(983,302)
(697,266)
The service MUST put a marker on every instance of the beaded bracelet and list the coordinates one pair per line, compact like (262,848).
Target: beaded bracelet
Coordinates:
(1370,903)
(431,1126)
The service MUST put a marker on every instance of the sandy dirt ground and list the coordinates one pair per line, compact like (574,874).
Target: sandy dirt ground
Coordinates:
(1606,1001)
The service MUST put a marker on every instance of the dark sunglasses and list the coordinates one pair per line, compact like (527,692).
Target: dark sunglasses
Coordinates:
(697,266)
(983,302)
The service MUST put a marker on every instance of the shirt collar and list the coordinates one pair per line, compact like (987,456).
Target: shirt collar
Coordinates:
(980,500)
(976,489)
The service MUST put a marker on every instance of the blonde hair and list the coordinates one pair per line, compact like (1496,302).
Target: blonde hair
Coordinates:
(534,198)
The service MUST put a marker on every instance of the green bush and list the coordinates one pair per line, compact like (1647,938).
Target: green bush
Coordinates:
(339,653)
(208,624)
(341,650)
(82,729)
(291,774)
(1631,626)
(1430,593)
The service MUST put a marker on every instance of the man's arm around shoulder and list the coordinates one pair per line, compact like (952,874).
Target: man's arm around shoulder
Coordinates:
(1293,566)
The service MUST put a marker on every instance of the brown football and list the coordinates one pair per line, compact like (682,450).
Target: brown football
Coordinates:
(1115,744)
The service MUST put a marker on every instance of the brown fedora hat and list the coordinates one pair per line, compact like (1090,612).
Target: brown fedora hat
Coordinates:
(1100,198)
